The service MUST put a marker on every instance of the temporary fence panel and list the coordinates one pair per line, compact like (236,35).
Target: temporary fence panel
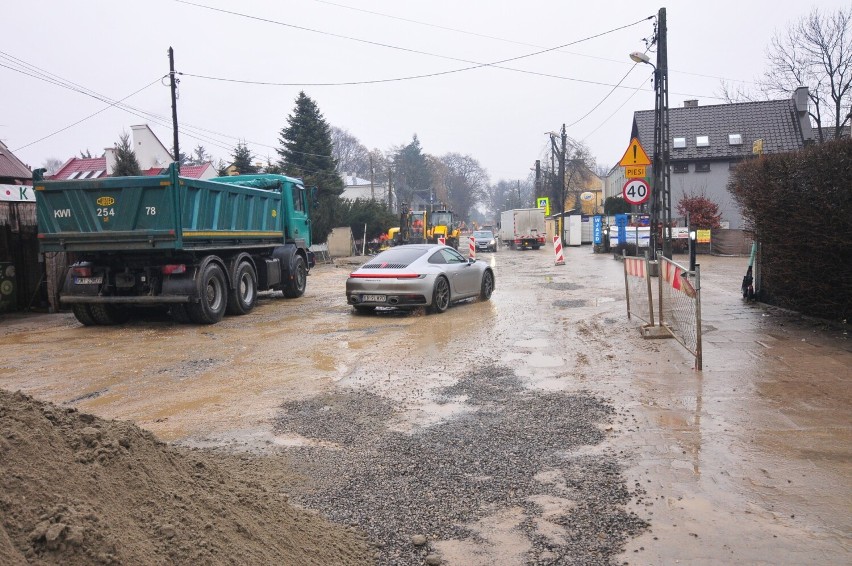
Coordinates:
(637,285)
(680,305)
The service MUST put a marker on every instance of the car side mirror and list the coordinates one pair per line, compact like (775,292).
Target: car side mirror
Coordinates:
(471,260)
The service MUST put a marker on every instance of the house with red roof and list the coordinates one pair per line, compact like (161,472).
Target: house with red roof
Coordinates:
(152,155)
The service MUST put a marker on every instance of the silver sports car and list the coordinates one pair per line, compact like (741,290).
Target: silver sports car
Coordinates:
(416,275)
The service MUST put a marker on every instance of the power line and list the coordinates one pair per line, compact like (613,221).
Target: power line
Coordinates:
(503,39)
(474,64)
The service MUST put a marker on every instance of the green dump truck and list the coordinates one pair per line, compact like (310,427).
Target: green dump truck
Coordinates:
(201,248)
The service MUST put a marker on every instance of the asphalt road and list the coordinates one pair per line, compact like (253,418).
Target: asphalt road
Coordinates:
(748,461)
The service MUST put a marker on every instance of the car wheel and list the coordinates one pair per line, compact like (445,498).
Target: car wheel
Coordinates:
(440,295)
(487,286)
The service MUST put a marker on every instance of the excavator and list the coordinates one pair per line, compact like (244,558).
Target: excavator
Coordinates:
(411,229)
(442,224)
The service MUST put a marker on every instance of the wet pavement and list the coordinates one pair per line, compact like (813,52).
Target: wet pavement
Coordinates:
(746,462)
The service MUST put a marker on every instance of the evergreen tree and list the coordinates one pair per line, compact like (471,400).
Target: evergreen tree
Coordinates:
(243,159)
(200,156)
(306,152)
(126,163)
(411,173)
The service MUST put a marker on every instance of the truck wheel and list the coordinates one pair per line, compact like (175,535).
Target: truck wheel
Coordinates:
(298,279)
(440,296)
(212,294)
(243,296)
(83,314)
(109,315)
(487,286)
(180,314)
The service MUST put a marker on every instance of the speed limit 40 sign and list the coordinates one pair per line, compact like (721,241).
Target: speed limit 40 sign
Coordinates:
(636,191)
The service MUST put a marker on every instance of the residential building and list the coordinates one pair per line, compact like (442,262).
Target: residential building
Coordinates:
(708,141)
(150,153)
(355,187)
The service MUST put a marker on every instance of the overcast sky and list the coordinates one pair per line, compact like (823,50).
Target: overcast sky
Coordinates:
(497,115)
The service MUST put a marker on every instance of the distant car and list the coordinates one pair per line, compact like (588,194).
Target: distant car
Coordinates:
(418,275)
(485,240)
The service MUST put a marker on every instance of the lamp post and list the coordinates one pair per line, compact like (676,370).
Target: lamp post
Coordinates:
(661,199)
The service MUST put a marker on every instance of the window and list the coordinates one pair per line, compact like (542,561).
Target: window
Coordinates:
(73,175)
(679,143)
(702,167)
(702,141)
(680,167)
(298,192)
(735,139)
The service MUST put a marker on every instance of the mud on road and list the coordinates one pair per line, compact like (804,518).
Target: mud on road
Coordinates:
(537,427)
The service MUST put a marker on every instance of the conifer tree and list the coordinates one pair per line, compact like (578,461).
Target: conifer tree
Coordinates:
(243,159)
(126,163)
(306,152)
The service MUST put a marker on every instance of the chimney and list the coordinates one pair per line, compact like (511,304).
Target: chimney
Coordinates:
(800,101)
(690,103)
(800,97)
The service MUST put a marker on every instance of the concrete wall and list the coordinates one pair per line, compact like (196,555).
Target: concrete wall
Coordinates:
(340,242)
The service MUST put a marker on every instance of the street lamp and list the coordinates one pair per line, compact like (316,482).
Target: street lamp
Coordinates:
(661,187)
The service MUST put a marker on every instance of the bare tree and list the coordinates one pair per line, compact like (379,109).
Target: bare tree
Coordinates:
(350,154)
(52,164)
(465,181)
(815,52)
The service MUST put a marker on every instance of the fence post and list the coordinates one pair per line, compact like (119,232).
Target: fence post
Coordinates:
(626,284)
(698,360)
(648,281)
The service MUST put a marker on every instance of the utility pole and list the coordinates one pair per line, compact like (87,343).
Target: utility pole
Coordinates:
(537,178)
(174,81)
(661,203)
(519,194)
(390,188)
(372,180)
(562,184)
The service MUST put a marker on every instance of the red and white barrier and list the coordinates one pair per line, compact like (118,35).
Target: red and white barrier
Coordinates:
(442,240)
(635,266)
(557,249)
(472,248)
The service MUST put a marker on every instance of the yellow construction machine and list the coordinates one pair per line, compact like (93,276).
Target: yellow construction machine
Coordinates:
(442,224)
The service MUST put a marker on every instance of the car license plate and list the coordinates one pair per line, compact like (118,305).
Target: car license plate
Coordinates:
(373,298)
(88,280)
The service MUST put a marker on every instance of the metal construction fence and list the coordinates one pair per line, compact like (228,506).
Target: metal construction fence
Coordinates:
(678,301)
(637,285)
(680,305)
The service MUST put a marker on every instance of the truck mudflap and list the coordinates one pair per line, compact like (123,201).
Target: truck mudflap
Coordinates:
(312,260)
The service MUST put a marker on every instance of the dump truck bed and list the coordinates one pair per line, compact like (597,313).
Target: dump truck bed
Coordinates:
(157,212)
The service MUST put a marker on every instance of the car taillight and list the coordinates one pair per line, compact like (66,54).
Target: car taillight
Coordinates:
(385,276)
(174,269)
(81,271)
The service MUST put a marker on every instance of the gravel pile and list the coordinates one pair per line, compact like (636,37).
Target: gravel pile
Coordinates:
(396,486)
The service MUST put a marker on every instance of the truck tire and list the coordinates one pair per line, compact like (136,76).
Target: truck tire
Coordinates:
(212,295)
(487,286)
(297,278)
(440,296)
(83,314)
(109,315)
(243,295)
(180,314)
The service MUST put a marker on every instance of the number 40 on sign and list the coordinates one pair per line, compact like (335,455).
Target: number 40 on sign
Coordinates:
(636,191)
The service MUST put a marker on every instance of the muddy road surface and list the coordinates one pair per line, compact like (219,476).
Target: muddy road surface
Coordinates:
(535,428)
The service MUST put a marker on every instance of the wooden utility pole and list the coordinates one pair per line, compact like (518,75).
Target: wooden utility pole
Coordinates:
(174,81)
(372,180)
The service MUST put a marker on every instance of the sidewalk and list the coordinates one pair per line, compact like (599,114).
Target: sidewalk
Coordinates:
(750,460)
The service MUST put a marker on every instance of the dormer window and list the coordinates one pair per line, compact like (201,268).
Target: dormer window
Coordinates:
(679,143)
(702,141)
(735,139)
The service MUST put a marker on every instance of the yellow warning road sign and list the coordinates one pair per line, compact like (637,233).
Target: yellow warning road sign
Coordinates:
(635,172)
(634,155)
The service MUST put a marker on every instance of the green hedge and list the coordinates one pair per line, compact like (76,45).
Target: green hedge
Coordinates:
(799,206)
